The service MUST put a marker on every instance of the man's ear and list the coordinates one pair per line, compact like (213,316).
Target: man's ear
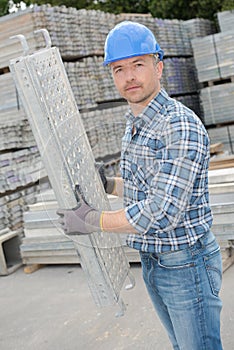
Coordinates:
(159,69)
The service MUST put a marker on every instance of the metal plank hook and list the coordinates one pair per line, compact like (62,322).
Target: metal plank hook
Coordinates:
(23,41)
(46,36)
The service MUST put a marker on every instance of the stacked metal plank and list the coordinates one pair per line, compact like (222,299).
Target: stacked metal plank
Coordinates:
(44,242)
(172,37)
(214,56)
(218,103)
(214,59)
(18,23)
(13,205)
(105,129)
(77,33)
(91,82)
(223,135)
(221,187)
(198,27)
(179,76)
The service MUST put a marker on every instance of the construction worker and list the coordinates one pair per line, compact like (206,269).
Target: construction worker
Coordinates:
(164,184)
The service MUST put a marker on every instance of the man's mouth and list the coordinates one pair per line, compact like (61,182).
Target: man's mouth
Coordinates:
(132,88)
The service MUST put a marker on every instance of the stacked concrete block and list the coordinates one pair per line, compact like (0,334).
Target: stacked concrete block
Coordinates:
(198,27)
(18,23)
(218,103)
(172,37)
(226,20)
(179,76)
(214,56)
(223,135)
(105,129)
(221,190)
(20,168)
(91,83)
(77,33)
(214,59)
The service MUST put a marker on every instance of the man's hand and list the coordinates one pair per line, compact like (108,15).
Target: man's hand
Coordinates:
(108,182)
(80,220)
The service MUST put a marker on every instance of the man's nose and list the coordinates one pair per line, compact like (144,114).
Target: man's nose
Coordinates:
(129,75)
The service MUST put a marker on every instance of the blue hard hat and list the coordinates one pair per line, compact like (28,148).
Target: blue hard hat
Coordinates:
(128,39)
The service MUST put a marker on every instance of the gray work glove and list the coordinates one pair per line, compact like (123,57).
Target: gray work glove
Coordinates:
(80,220)
(108,182)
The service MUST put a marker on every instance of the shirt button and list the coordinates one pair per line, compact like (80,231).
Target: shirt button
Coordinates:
(133,167)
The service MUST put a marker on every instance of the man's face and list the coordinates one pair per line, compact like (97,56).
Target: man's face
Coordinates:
(137,79)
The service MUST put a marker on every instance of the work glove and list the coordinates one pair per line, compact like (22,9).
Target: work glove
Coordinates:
(80,220)
(108,182)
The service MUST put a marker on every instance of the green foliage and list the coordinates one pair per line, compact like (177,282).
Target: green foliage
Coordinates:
(183,9)
(3,7)
(228,5)
(180,9)
(80,4)
(122,6)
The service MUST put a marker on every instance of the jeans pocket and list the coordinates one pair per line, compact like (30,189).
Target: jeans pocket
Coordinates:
(213,265)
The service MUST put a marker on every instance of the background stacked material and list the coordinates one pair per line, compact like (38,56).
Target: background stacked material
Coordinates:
(214,60)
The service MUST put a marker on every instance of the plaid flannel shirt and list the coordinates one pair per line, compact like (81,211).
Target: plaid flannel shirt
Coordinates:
(164,165)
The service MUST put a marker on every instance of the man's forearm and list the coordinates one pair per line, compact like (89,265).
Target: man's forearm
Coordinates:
(116,221)
(118,187)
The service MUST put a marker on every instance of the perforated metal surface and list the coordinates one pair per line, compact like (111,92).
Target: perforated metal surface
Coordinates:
(57,126)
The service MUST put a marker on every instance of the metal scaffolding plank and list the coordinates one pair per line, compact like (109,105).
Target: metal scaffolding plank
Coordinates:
(54,117)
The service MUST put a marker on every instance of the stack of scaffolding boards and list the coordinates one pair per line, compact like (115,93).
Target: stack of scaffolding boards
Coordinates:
(221,188)
(20,168)
(199,27)
(10,25)
(214,59)
(77,33)
(179,76)
(213,55)
(105,129)
(224,135)
(15,131)
(13,205)
(45,243)
(218,104)
(91,82)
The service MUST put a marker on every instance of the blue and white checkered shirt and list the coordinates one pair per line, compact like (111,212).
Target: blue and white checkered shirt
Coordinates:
(164,165)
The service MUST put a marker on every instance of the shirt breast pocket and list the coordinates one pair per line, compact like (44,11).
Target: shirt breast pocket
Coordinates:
(145,166)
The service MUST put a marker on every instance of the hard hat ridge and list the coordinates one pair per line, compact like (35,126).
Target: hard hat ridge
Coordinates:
(128,39)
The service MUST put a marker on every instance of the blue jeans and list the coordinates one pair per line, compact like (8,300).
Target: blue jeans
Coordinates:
(184,288)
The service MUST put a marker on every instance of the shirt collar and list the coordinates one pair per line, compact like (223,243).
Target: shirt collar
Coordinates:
(148,114)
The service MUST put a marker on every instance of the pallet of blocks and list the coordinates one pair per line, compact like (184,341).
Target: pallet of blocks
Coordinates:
(45,243)
(221,188)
